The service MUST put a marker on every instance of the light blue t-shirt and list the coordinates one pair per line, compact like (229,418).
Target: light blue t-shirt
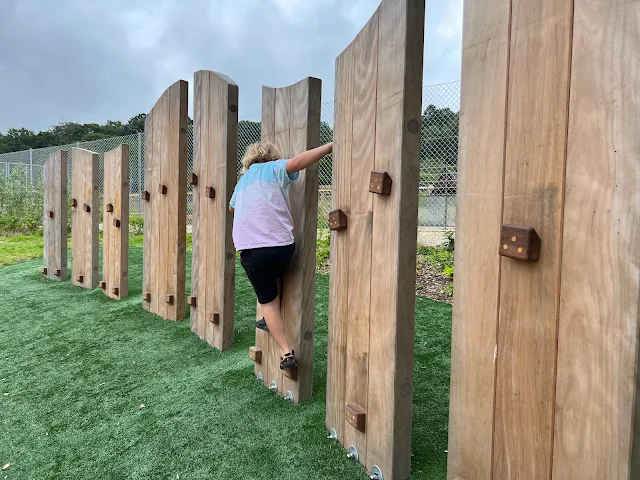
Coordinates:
(262,215)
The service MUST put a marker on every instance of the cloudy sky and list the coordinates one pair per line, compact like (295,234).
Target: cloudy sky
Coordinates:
(97,60)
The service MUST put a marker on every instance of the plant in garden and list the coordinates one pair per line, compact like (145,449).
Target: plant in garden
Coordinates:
(20,203)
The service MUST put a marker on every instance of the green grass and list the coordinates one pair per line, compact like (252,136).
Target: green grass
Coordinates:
(76,368)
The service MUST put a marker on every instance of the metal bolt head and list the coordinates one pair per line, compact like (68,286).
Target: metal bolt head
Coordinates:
(333,435)
(289,396)
(274,386)
(353,453)
(259,377)
(376,473)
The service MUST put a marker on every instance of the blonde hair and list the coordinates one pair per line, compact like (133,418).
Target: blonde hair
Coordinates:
(259,152)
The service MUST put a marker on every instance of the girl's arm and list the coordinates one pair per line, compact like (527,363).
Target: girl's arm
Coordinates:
(305,159)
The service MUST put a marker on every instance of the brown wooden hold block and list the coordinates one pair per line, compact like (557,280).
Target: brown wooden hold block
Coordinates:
(337,220)
(86,207)
(115,291)
(168,298)
(73,202)
(162,189)
(146,296)
(193,179)
(50,214)
(255,354)
(210,192)
(109,207)
(116,223)
(380,183)
(192,301)
(214,318)
(80,278)
(520,242)
(103,285)
(356,416)
(146,196)
(43,270)
(291,373)
(57,273)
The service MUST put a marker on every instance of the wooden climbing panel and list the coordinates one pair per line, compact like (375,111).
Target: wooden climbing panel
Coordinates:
(372,279)
(165,191)
(54,221)
(291,120)
(115,237)
(215,166)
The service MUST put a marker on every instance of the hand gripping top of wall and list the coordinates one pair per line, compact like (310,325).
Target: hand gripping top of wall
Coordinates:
(291,120)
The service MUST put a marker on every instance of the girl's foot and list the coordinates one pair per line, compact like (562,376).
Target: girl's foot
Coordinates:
(288,361)
(262,325)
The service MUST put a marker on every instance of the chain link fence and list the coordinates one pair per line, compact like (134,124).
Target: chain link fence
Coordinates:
(438,161)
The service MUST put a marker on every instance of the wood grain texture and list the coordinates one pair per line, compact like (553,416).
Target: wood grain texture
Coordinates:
(84,227)
(291,120)
(363,145)
(215,159)
(339,245)
(115,257)
(399,96)
(540,51)
(597,377)
(165,220)
(54,177)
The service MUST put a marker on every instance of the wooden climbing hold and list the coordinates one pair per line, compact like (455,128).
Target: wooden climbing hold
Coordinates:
(57,273)
(43,270)
(291,373)
(193,179)
(162,189)
(80,279)
(520,242)
(380,183)
(146,296)
(103,285)
(73,202)
(210,192)
(86,207)
(356,416)
(214,318)
(116,223)
(50,214)
(337,220)
(146,196)
(168,298)
(115,291)
(192,301)
(109,207)
(255,354)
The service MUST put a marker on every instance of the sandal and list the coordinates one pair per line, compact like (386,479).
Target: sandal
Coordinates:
(288,361)
(262,325)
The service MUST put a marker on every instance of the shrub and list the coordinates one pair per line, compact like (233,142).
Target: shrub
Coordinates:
(323,247)
(136,225)
(21,204)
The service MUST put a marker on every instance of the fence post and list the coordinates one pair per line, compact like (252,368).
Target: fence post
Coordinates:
(140,173)
(31,166)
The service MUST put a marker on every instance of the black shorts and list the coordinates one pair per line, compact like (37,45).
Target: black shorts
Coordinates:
(264,266)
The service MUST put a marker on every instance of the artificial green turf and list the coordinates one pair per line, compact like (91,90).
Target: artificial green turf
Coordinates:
(76,369)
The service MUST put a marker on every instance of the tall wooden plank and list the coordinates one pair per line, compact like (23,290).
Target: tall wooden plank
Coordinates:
(54,222)
(339,245)
(395,218)
(268,128)
(215,149)
(115,258)
(166,260)
(77,221)
(479,216)
(360,229)
(149,278)
(198,260)
(540,51)
(299,282)
(598,326)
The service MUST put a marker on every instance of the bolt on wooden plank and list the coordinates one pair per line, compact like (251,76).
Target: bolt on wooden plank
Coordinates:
(371,316)
(164,259)
(115,243)
(54,224)
(215,156)
(291,121)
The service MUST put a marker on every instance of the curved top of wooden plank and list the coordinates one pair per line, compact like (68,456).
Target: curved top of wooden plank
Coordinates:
(221,76)
(173,89)
(83,151)
(363,31)
(294,85)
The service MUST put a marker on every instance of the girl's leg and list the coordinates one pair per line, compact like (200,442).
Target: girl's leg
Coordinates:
(271,312)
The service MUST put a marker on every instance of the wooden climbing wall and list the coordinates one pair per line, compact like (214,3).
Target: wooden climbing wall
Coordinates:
(291,120)
(115,236)
(54,221)
(372,280)
(84,218)
(215,166)
(165,197)
(545,352)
